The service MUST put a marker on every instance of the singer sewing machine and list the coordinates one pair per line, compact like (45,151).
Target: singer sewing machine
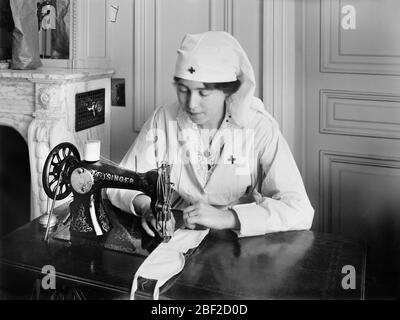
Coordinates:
(64,172)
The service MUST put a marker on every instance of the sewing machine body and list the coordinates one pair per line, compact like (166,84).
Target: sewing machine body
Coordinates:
(64,172)
(88,213)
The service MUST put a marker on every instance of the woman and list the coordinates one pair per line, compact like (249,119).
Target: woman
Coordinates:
(231,166)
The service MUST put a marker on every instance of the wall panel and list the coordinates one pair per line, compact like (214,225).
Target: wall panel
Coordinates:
(373,47)
(359,197)
(360,113)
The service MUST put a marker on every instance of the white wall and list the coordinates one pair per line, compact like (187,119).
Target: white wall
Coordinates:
(298,114)
(121,51)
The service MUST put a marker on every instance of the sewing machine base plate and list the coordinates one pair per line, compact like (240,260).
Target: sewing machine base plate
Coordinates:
(125,236)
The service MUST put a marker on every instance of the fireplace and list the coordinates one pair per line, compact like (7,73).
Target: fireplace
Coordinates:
(15,177)
(40,105)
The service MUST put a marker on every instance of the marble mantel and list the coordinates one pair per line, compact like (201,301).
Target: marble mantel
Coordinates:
(40,105)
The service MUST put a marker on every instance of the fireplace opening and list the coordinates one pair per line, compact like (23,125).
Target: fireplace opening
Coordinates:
(15,181)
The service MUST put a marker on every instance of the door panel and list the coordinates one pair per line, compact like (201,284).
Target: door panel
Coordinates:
(360,196)
(353,122)
(373,46)
(359,114)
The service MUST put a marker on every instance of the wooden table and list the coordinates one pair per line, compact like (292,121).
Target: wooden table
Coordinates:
(289,265)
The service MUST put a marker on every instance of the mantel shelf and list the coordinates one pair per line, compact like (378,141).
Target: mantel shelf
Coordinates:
(56,74)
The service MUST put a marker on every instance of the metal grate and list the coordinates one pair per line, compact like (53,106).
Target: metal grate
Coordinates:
(89,109)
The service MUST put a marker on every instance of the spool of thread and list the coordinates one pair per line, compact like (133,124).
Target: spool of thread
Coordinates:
(92,151)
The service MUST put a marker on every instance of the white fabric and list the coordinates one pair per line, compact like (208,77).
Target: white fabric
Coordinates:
(207,57)
(168,259)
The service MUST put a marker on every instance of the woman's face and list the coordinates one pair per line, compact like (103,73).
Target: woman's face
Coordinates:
(205,107)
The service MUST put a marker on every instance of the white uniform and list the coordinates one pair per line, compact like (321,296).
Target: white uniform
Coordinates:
(247,168)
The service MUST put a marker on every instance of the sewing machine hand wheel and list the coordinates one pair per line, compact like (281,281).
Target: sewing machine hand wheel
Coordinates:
(63,156)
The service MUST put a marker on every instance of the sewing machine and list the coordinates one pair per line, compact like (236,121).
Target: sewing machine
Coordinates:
(64,172)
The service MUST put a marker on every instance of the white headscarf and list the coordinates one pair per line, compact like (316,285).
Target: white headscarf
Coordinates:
(216,56)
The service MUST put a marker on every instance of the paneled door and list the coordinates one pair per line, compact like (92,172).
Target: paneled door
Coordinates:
(352,126)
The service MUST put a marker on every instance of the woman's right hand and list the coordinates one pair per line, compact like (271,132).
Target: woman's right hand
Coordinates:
(142,205)
(147,217)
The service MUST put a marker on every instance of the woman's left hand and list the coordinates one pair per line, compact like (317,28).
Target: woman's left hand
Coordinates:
(202,213)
